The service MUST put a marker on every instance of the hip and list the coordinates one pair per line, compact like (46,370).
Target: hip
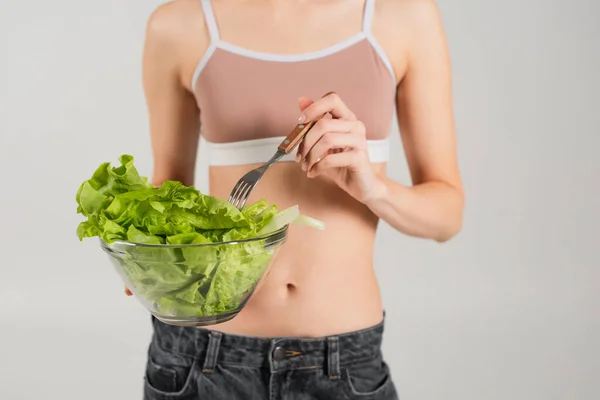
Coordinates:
(192,363)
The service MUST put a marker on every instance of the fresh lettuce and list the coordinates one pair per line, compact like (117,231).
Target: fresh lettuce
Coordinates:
(186,281)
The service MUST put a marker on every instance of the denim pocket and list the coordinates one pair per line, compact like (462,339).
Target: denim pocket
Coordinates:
(161,378)
(370,380)
(169,376)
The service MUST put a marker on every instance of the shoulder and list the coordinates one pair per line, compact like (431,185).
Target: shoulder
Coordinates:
(177,31)
(402,25)
(176,22)
(410,14)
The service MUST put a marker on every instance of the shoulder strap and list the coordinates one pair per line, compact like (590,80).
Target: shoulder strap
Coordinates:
(211,21)
(368,15)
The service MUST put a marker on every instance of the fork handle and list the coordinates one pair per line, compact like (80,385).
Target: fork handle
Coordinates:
(293,139)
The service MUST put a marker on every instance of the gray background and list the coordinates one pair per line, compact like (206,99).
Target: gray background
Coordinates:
(507,310)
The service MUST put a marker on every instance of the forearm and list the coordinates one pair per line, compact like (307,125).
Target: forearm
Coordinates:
(431,210)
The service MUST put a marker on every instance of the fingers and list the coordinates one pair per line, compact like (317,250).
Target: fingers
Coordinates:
(304,102)
(330,143)
(330,103)
(333,161)
(338,137)
(322,127)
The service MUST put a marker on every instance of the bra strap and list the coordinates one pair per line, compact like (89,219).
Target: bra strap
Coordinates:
(211,21)
(368,16)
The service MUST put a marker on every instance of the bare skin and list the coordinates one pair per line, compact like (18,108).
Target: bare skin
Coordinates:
(322,283)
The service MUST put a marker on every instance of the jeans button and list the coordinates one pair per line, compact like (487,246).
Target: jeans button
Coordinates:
(278,353)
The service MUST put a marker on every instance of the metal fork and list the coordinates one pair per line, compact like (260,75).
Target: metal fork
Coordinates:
(242,189)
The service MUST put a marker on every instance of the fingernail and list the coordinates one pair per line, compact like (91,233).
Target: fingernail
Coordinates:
(302,119)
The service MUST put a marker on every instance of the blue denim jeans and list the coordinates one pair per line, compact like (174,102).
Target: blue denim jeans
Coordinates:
(198,364)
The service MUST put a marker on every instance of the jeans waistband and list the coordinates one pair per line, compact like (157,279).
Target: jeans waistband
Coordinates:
(277,353)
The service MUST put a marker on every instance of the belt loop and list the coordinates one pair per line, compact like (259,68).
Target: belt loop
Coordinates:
(333,357)
(212,351)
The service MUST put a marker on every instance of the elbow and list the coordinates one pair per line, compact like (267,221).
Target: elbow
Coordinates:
(160,176)
(451,227)
(449,232)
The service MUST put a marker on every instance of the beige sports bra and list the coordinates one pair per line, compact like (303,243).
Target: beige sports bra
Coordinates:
(248,99)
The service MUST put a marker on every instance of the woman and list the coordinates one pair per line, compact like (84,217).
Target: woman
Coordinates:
(248,71)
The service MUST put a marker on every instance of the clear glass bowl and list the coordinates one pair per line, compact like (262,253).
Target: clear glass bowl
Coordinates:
(195,284)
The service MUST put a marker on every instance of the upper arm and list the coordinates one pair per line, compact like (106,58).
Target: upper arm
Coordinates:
(424,102)
(173,112)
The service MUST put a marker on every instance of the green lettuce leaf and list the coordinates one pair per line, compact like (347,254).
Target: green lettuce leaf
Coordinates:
(206,279)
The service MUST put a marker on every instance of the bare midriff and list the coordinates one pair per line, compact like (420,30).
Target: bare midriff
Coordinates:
(320,282)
